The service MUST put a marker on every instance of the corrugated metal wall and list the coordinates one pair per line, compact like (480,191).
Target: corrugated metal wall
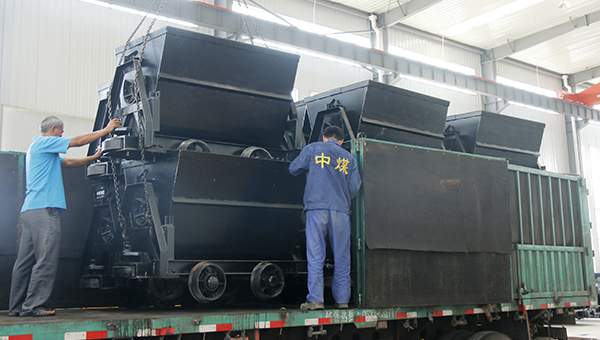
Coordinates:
(553,154)
(590,148)
(56,53)
(460,101)
(318,75)
(53,57)
(538,78)
(434,49)
(323,15)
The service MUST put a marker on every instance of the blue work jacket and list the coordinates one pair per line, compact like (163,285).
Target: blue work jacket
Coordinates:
(332,176)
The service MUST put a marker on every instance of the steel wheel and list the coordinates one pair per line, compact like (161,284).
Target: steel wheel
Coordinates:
(267,280)
(165,291)
(193,145)
(256,152)
(207,282)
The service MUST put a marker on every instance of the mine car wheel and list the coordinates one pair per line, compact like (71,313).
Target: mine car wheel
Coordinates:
(267,280)
(207,282)
(166,292)
(193,145)
(256,152)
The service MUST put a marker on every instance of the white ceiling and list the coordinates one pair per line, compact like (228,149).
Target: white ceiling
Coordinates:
(371,6)
(568,53)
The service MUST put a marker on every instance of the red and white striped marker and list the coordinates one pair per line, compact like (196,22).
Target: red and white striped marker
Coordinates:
(220,327)
(270,324)
(507,308)
(155,332)
(365,318)
(89,335)
(317,322)
(570,304)
(472,311)
(406,315)
(440,313)
(547,305)
(17,337)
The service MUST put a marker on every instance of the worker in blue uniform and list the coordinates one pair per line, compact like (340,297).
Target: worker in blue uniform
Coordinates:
(34,271)
(332,180)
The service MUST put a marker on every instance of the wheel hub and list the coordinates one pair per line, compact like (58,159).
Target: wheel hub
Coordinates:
(212,283)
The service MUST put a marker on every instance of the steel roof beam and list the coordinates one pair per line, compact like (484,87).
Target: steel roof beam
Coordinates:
(539,37)
(406,10)
(585,75)
(235,23)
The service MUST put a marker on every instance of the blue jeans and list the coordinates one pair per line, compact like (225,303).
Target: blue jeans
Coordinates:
(321,224)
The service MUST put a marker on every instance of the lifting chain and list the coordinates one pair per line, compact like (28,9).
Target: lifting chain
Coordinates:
(139,75)
(115,179)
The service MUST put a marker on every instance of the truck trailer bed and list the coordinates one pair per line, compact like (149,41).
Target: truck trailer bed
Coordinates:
(108,323)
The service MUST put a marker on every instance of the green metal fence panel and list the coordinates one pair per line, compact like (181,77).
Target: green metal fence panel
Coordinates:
(553,250)
(537,270)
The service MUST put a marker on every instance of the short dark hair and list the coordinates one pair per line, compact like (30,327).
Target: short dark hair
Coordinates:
(335,132)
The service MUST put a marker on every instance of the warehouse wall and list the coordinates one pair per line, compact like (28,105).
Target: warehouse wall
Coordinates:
(590,148)
(317,74)
(539,78)
(323,15)
(53,57)
(28,123)
(554,153)
(437,53)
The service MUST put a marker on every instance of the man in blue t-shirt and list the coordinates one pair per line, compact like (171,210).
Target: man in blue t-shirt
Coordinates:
(331,182)
(37,258)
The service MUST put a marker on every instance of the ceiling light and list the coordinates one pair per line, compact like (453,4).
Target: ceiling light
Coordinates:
(491,16)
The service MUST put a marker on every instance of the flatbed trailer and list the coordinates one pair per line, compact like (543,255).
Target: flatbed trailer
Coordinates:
(257,323)
(105,323)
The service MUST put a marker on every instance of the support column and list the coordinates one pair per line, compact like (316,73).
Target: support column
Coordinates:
(488,71)
(573,145)
(573,129)
(385,42)
(380,41)
(224,4)
(373,37)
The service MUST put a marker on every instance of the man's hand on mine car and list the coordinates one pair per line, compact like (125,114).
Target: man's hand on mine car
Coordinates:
(113,124)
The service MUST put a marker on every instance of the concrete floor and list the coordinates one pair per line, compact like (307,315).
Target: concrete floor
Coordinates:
(584,329)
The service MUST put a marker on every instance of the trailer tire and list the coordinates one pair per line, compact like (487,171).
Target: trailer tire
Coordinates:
(489,335)
(457,334)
